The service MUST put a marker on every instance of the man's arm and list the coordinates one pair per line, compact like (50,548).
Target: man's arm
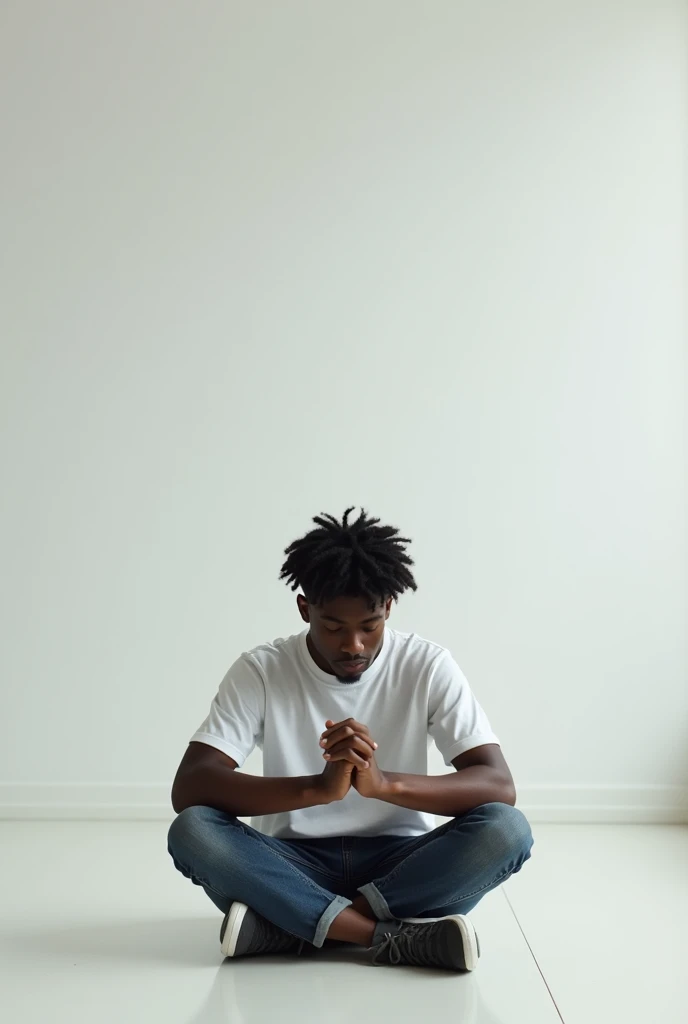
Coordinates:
(482,776)
(208,777)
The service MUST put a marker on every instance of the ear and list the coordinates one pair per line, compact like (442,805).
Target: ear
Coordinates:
(388,607)
(304,610)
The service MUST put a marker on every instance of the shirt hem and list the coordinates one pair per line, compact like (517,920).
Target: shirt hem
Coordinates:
(220,744)
(468,743)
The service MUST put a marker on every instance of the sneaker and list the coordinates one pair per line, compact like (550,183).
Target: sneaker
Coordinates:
(246,933)
(450,942)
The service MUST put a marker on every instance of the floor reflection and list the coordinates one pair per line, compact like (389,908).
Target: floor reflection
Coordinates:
(337,988)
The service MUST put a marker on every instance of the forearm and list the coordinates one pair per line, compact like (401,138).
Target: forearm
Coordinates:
(448,795)
(244,795)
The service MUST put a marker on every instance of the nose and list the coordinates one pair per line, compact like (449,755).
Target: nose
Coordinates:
(353,645)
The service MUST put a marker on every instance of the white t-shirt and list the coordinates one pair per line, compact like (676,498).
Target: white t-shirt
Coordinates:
(277,698)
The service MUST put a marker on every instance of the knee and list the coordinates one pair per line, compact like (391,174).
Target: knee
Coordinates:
(191,830)
(506,831)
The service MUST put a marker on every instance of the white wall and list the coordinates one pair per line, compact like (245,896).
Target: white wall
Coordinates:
(263,259)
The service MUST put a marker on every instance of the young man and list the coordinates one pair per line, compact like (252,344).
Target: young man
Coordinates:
(343,844)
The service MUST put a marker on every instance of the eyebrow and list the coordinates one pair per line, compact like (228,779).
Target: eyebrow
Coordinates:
(341,622)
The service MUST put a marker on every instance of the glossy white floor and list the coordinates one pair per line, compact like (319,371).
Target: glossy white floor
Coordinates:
(95,925)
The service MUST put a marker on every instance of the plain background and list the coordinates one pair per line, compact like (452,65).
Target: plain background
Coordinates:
(264,259)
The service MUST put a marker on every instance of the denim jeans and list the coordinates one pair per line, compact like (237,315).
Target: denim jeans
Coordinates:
(301,885)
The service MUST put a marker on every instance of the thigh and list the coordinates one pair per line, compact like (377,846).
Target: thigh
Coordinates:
(319,859)
(450,869)
(375,856)
(378,856)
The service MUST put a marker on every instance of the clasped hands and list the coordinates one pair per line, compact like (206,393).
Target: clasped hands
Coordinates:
(349,750)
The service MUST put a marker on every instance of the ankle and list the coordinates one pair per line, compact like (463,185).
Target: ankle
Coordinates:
(361,905)
(350,926)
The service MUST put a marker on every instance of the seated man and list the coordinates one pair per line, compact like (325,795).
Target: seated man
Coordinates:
(343,844)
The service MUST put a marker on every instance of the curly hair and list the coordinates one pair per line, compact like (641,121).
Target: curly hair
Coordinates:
(349,559)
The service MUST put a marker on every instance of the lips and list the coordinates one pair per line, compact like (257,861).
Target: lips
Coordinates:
(353,666)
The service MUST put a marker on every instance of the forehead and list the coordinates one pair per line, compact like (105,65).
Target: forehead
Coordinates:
(350,610)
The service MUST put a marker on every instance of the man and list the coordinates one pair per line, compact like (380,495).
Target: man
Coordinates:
(343,844)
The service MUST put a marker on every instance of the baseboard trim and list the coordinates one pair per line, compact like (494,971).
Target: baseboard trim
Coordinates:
(85,802)
(632,805)
(542,804)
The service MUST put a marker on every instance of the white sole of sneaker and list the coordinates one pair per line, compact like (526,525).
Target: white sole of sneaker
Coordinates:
(231,933)
(471,949)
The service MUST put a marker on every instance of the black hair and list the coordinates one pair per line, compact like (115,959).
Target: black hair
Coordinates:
(358,559)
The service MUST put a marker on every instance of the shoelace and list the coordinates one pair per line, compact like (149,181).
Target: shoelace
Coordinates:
(412,945)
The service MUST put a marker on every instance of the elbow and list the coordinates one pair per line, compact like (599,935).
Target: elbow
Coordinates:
(177,804)
(508,792)
(180,799)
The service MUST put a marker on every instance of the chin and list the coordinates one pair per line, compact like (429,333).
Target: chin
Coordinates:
(349,678)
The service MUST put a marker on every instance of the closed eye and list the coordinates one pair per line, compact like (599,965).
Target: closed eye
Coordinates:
(338,629)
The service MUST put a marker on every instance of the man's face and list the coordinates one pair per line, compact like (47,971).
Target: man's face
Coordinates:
(345,635)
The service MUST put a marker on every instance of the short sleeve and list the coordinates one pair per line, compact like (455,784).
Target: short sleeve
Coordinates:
(235,722)
(456,721)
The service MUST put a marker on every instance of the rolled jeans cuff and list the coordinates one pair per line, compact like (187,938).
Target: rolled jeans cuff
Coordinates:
(335,908)
(377,902)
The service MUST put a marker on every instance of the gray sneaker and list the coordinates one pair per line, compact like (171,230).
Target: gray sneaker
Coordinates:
(450,942)
(246,933)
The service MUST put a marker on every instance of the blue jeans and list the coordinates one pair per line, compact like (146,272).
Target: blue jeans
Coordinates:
(301,885)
